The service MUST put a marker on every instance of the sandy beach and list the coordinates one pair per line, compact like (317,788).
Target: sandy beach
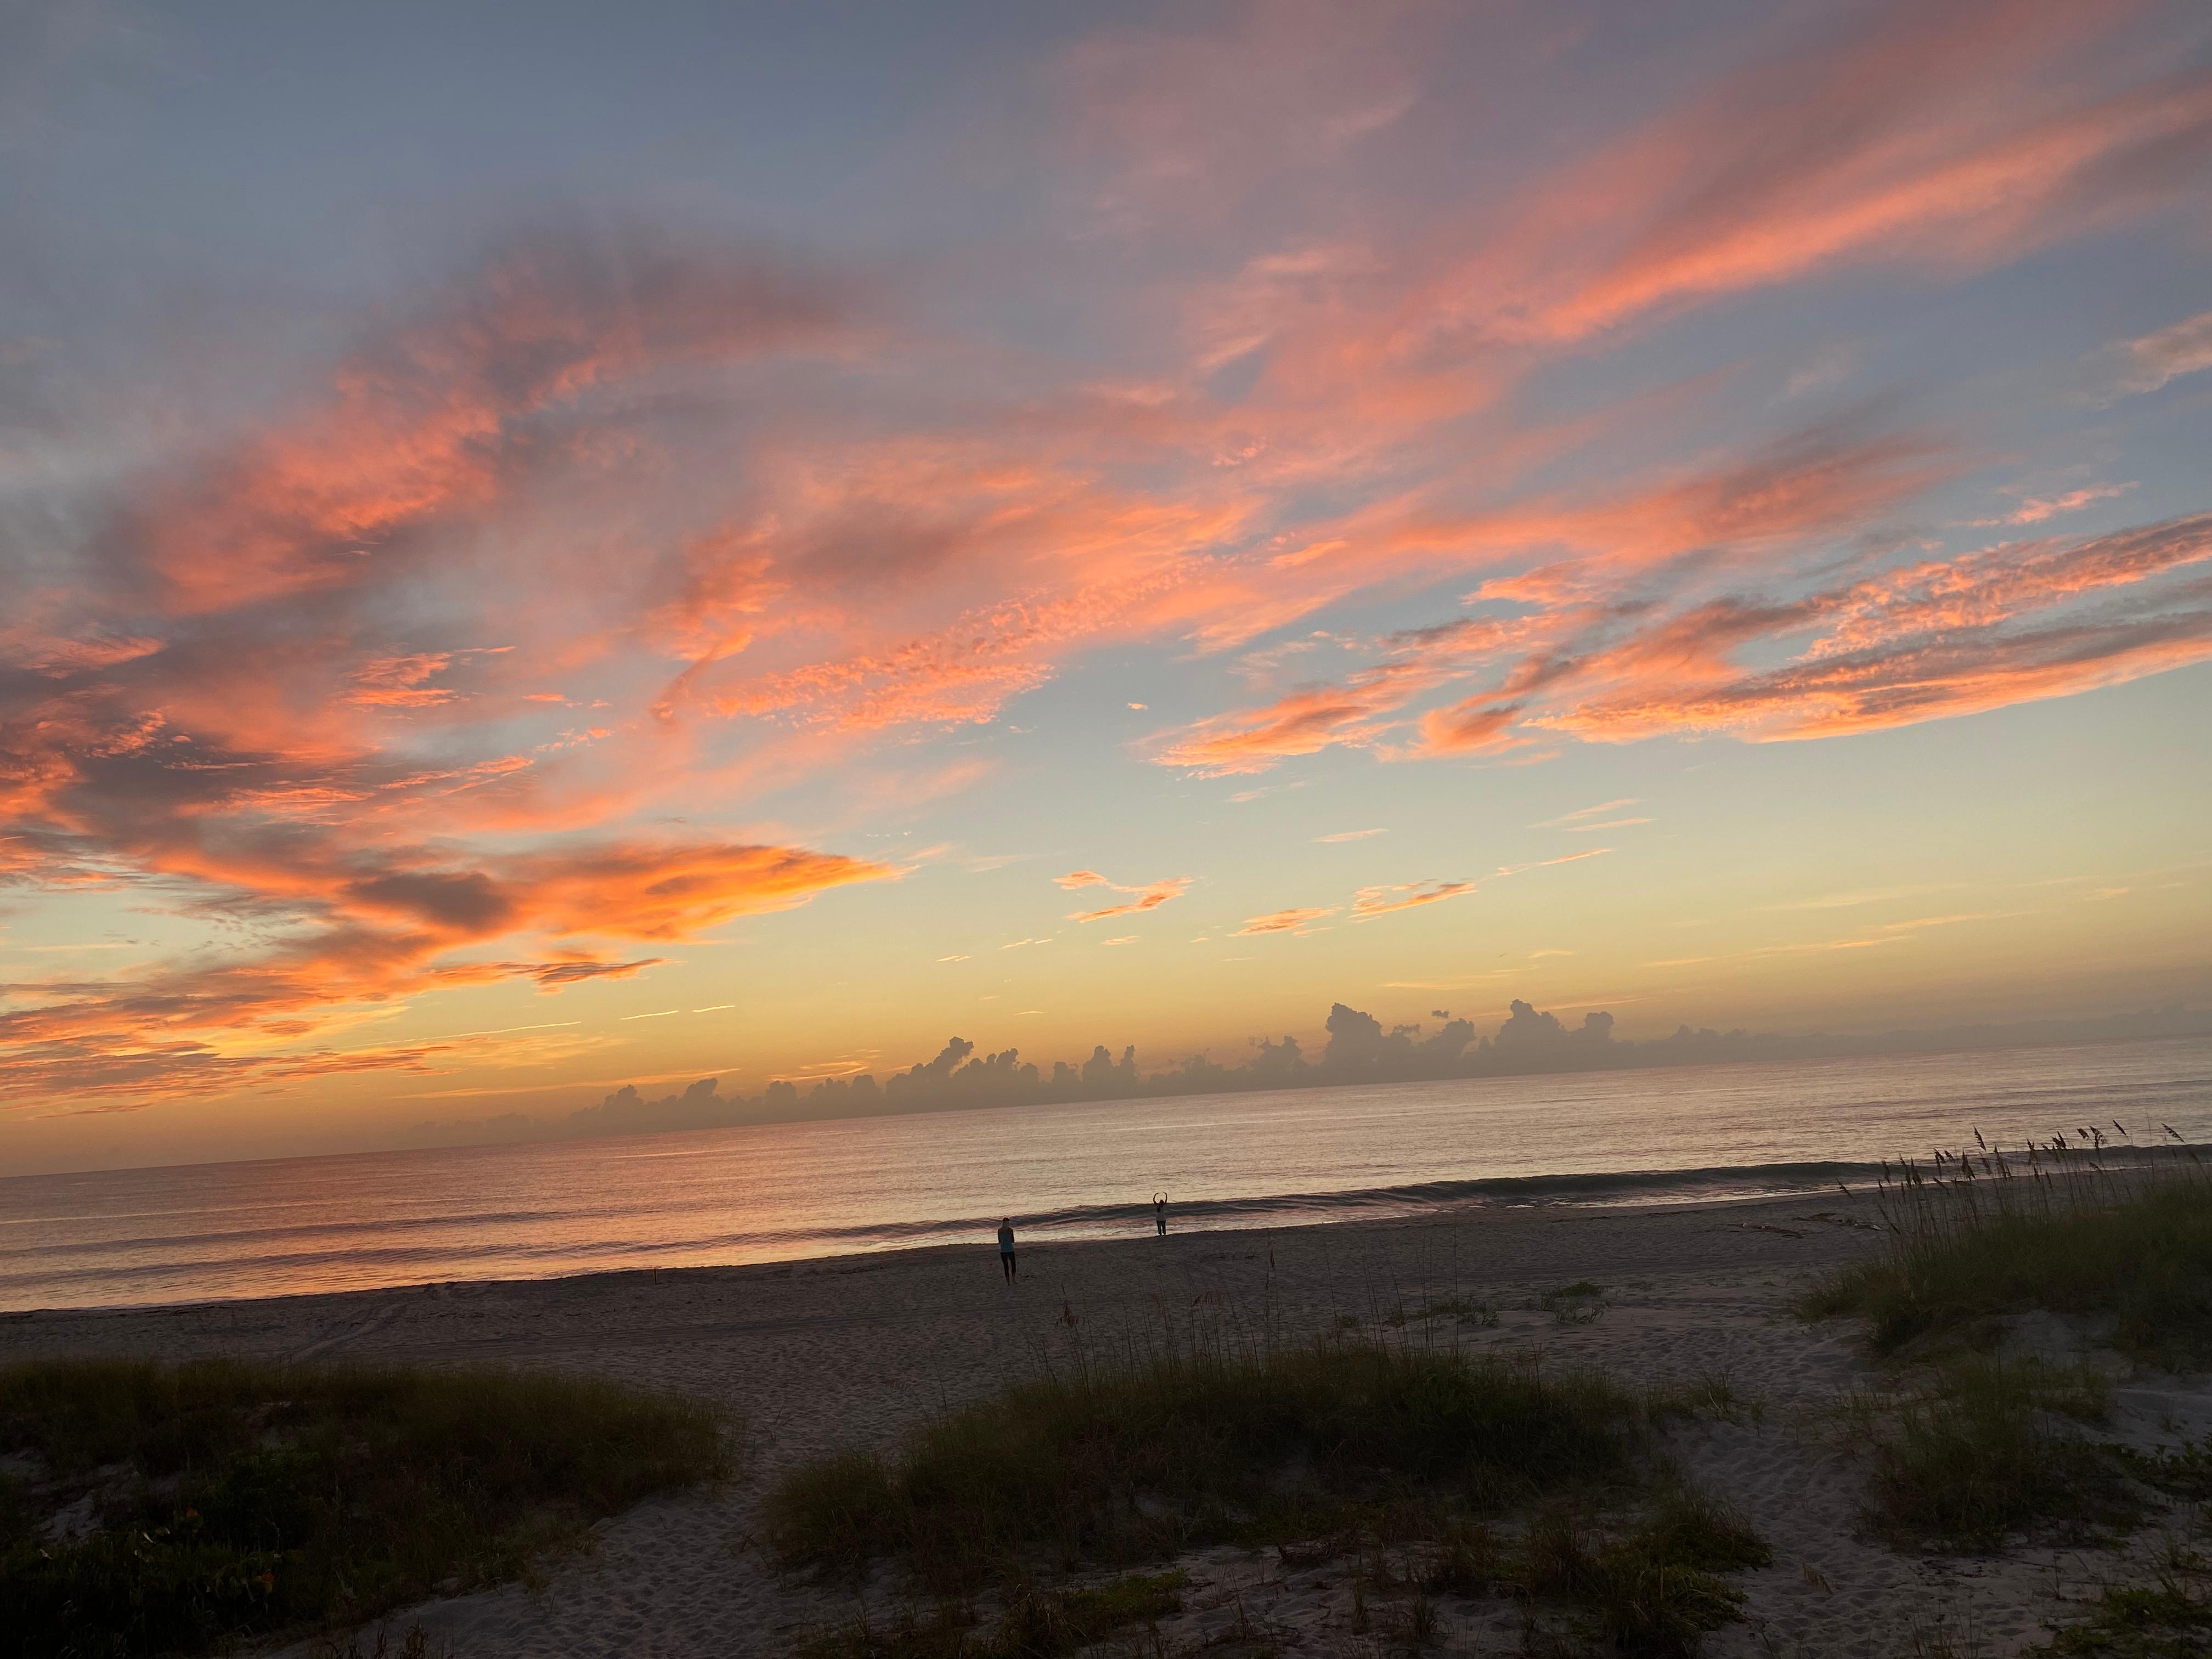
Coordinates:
(822,1354)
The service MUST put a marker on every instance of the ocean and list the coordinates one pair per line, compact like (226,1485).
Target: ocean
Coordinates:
(784,1191)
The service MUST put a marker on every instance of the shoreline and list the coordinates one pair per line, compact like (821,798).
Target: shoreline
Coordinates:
(1596,1193)
(1468,1212)
(1321,1267)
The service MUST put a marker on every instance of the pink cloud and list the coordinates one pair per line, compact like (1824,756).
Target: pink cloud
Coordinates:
(1924,641)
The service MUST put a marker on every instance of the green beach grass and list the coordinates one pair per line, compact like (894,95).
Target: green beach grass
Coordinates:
(1036,1623)
(1974,1453)
(1349,1446)
(2129,1246)
(231,1499)
(1971,1449)
(1131,1464)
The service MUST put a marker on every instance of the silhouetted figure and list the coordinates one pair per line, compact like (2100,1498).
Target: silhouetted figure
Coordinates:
(1160,1213)
(1007,1249)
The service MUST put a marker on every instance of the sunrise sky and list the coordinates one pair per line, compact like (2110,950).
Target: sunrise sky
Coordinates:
(544,547)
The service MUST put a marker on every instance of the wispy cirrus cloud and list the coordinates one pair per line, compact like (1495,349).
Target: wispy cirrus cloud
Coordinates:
(2036,509)
(2152,361)
(1353,713)
(1919,923)
(1385,899)
(1371,902)
(1856,148)
(1922,641)
(1286,921)
(1582,813)
(1930,642)
(1148,897)
(402,681)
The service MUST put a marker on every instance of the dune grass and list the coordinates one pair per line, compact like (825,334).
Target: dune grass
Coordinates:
(1128,1465)
(1351,1446)
(232,1499)
(1980,1451)
(1973,1450)
(2170,1617)
(1578,1304)
(415,1644)
(2183,1471)
(1657,1590)
(2130,1244)
(1035,1623)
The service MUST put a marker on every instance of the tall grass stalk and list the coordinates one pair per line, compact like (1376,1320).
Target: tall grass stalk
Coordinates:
(2078,1226)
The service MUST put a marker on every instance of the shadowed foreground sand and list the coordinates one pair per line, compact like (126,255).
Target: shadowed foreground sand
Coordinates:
(820,1354)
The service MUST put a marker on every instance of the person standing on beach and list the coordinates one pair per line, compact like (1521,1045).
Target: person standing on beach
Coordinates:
(1160,1213)
(1007,1249)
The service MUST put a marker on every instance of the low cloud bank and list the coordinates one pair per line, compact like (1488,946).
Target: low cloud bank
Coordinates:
(1359,1049)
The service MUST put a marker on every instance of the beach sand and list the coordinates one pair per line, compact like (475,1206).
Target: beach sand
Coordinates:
(817,1355)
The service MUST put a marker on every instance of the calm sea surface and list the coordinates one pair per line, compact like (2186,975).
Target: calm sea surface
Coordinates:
(781,1191)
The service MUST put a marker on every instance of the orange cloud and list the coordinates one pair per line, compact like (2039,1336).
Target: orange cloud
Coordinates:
(665,892)
(1924,641)
(1840,695)
(1302,723)
(399,681)
(1285,922)
(390,934)
(1062,565)
(1148,898)
(1372,902)
(396,682)
(1476,726)
(305,830)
